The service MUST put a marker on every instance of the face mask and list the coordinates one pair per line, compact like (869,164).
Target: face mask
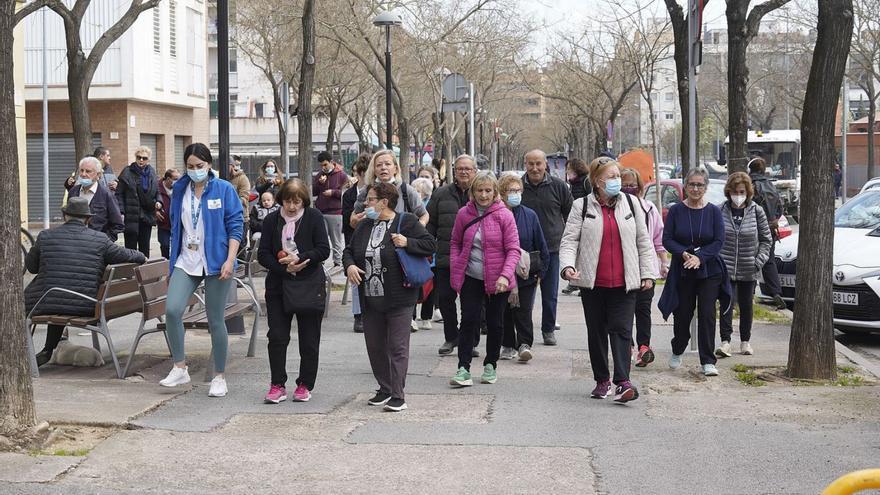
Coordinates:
(739,199)
(85,182)
(198,175)
(371,213)
(425,201)
(514,199)
(270,170)
(612,187)
(634,190)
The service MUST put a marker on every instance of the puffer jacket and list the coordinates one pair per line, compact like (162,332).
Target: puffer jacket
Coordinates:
(442,210)
(137,206)
(551,199)
(746,248)
(500,240)
(582,241)
(71,256)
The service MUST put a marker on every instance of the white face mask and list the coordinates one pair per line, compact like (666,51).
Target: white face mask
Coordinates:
(738,199)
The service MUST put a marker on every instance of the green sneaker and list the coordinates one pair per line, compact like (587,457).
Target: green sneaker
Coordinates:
(461,379)
(489,375)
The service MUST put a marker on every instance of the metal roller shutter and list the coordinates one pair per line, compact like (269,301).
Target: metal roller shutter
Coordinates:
(179,147)
(62,163)
(150,140)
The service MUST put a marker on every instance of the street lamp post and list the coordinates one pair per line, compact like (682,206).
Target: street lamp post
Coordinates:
(387,20)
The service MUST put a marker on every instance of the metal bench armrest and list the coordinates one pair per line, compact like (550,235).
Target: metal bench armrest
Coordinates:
(59,289)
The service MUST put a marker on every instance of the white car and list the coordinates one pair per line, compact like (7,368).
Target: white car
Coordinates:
(856,274)
(871,184)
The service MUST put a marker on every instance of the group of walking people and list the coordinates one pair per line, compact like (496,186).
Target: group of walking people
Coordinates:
(489,242)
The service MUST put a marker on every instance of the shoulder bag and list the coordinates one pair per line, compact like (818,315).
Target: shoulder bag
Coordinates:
(416,269)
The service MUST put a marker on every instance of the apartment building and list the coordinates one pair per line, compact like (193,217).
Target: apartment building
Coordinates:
(149,89)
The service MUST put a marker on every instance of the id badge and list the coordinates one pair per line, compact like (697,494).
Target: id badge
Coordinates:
(193,242)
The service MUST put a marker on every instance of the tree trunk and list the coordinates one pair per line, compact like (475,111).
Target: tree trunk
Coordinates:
(80,118)
(737,83)
(872,115)
(811,351)
(306,87)
(283,162)
(332,117)
(680,55)
(653,123)
(403,135)
(16,390)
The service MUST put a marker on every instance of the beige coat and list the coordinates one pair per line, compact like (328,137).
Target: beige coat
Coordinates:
(582,240)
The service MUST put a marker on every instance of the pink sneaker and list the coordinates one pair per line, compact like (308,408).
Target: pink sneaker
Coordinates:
(301,394)
(277,393)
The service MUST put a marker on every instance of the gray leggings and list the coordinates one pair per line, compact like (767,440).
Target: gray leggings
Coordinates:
(180,288)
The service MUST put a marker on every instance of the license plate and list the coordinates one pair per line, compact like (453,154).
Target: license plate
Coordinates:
(786,280)
(846,298)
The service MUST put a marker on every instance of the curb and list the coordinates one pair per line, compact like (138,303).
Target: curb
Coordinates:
(857,358)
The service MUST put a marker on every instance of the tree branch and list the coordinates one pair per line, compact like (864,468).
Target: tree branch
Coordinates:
(753,22)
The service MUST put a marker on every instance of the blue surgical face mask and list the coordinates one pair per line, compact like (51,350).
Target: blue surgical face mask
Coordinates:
(371,213)
(270,170)
(85,182)
(612,187)
(198,175)
(514,199)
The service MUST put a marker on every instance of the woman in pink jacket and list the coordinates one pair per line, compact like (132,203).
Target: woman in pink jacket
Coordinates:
(631,183)
(483,255)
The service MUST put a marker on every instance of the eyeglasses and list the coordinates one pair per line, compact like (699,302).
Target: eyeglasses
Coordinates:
(371,199)
(696,185)
(142,158)
(464,170)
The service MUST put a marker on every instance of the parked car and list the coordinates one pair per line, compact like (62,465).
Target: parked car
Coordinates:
(871,184)
(856,260)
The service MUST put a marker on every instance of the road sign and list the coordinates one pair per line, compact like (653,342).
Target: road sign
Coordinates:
(455,89)
(461,106)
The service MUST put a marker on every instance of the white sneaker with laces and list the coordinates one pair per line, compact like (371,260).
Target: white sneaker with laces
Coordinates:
(710,370)
(177,376)
(437,316)
(724,349)
(746,349)
(425,325)
(507,353)
(218,387)
(675,361)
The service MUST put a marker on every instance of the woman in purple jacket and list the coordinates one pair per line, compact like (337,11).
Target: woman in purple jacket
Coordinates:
(484,251)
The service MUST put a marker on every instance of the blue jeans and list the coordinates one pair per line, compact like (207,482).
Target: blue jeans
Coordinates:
(549,294)
(180,288)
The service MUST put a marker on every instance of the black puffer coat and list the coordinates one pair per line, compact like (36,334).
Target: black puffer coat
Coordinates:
(71,256)
(137,206)
(442,209)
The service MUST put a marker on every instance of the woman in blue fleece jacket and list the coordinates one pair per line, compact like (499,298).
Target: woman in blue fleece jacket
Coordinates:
(206,230)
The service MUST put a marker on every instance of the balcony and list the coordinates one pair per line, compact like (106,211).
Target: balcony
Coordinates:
(213,80)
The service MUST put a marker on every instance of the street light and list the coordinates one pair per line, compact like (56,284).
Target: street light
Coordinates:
(387,20)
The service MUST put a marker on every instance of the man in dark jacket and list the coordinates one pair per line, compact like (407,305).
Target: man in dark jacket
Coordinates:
(327,187)
(442,210)
(138,198)
(551,199)
(767,197)
(163,215)
(106,217)
(70,256)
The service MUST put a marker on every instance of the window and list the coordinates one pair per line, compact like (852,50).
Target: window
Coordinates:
(233,102)
(195,52)
(157,31)
(233,60)
(669,116)
(669,96)
(258,110)
(172,28)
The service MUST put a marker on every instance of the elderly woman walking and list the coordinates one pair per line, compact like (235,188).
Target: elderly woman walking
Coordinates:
(484,252)
(384,168)
(746,248)
(372,264)
(607,252)
(694,234)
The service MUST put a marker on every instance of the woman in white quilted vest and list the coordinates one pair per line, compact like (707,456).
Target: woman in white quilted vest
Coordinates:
(746,248)
(607,252)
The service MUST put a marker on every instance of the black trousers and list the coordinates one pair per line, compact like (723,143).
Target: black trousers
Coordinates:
(518,326)
(308,329)
(610,318)
(644,301)
(53,337)
(744,295)
(139,240)
(473,300)
(771,273)
(701,293)
(446,302)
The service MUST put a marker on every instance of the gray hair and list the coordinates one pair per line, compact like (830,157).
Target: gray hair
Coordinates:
(465,157)
(423,185)
(93,161)
(697,171)
(536,152)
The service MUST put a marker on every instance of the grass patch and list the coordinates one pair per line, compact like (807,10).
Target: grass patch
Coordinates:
(846,370)
(747,377)
(740,368)
(849,381)
(763,313)
(72,453)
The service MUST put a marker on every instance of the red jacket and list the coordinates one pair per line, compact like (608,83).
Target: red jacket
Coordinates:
(336,181)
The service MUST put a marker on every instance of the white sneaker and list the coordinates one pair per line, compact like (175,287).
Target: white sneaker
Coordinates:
(710,370)
(177,376)
(507,353)
(724,349)
(675,361)
(218,387)
(425,325)
(438,317)
(746,349)
(413,326)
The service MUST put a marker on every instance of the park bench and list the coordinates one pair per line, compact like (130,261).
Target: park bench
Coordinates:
(118,296)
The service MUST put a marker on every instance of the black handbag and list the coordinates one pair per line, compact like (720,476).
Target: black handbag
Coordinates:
(305,293)
(536,266)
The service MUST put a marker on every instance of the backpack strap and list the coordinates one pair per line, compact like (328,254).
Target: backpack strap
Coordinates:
(405,196)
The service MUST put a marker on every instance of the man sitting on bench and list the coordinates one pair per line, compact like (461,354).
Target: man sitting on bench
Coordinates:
(70,256)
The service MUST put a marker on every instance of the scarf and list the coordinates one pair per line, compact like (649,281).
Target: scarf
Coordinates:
(145,176)
(289,229)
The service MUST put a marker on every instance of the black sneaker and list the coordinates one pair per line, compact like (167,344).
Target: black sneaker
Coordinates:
(549,338)
(380,399)
(395,405)
(446,348)
(43,357)
(778,302)
(358,324)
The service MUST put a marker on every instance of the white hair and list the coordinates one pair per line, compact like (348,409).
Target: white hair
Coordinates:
(465,157)
(423,185)
(537,152)
(92,160)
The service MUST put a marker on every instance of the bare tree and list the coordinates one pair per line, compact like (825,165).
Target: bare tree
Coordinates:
(306,88)
(866,64)
(811,352)
(741,30)
(81,68)
(16,390)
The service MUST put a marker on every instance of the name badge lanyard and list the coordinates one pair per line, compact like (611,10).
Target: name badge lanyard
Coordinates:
(195,213)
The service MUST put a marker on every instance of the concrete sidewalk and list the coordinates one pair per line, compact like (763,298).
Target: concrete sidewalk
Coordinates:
(535,430)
